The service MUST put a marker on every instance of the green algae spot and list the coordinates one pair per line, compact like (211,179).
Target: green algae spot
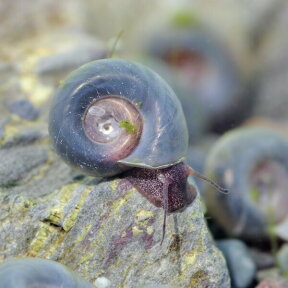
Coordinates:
(137,103)
(61,83)
(184,19)
(255,194)
(128,126)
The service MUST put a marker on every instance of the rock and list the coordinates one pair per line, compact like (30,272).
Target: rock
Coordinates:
(17,132)
(273,283)
(241,267)
(33,272)
(23,108)
(66,59)
(262,260)
(102,282)
(110,230)
(18,164)
(271,273)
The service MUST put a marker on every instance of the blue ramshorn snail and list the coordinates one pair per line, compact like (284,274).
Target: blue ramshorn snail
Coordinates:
(113,115)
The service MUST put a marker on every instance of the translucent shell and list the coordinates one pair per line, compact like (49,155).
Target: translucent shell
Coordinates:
(158,135)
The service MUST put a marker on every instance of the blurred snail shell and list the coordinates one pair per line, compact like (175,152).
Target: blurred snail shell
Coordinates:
(111,115)
(253,163)
(206,66)
(36,272)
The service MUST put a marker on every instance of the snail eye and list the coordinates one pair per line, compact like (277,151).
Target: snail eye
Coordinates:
(104,120)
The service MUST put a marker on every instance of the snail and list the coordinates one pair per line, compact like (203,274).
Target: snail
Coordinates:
(36,272)
(113,115)
(203,62)
(253,163)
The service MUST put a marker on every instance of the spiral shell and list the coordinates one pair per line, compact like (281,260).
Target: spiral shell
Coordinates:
(141,109)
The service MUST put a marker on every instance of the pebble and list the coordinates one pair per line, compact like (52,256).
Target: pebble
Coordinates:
(241,267)
(263,260)
(102,282)
(16,164)
(282,258)
(23,108)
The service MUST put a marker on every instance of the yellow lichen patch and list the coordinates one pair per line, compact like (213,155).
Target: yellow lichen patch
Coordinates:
(120,202)
(143,215)
(114,184)
(136,231)
(42,239)
(84,233)
(150,230)
(86,258)
(29,82)
(56,214)
(9,132)
(190,258)
(200,279)
(70,220)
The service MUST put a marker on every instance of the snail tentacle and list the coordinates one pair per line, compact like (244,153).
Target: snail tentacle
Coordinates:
(220,189)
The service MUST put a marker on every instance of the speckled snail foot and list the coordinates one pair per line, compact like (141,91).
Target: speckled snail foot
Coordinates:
(38,273)
(113,115)
(253,163)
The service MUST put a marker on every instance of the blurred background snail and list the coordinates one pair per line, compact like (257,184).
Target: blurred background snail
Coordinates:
(253,163)
(36,272)
(113,115)
(206,67)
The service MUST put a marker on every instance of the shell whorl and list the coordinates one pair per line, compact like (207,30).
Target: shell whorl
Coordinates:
(161,134)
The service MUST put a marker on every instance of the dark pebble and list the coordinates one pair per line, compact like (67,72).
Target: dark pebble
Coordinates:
(23,108)
(241,267)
